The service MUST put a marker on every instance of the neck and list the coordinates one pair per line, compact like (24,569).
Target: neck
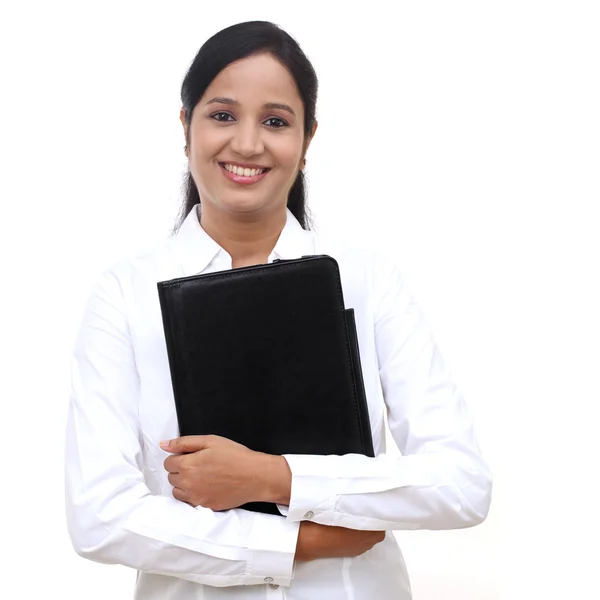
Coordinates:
(247,238)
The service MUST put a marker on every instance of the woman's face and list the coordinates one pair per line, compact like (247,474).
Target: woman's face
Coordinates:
(246,138)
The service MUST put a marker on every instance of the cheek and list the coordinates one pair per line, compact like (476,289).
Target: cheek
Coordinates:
(206,143)
(204,147)
(287,151)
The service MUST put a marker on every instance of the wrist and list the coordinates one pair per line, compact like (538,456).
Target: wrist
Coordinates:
(275,482)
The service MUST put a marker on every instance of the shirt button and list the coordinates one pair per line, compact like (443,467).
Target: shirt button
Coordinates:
(273,586)
(309,515)
(269,580)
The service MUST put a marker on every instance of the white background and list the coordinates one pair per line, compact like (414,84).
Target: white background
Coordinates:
(462,137)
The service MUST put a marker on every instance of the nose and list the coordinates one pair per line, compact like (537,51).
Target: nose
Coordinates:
(247,140)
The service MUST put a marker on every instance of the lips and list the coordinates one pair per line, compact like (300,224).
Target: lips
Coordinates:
(237,173)
(244,170)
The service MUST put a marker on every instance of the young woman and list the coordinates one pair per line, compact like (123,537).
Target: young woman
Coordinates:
(139,495)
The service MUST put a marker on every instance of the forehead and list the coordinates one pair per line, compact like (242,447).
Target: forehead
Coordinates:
(256,80)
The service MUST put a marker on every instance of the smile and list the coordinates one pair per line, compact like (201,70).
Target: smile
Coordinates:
(243,175)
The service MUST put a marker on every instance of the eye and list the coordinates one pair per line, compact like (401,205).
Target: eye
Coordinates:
(221,117)
(276,123)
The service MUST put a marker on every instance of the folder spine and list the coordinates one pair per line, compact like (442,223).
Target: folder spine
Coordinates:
(170,327)
(359,385)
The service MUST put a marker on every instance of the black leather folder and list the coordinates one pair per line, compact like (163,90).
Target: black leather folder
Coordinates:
(267,356)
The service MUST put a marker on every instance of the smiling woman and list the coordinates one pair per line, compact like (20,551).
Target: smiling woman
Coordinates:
(251,111)
(250,92)
(140,495)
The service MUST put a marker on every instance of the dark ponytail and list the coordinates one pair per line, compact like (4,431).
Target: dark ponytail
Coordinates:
(234,43)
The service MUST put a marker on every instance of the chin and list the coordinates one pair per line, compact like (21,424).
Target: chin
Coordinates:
(244,206)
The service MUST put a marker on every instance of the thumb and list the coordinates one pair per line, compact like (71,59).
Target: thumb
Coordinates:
(185,444)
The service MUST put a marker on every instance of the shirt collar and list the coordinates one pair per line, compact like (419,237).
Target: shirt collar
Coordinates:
(196,249)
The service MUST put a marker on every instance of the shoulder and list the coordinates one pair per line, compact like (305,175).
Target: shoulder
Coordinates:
(361,260)
(370,277)
(142,268)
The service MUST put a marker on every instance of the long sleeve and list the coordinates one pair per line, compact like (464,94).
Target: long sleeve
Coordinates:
(112,516)
(440,481)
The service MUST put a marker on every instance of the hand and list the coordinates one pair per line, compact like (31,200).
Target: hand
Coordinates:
(322,541)
(219,474)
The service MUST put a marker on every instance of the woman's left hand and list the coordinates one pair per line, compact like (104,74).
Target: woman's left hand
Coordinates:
(217,473)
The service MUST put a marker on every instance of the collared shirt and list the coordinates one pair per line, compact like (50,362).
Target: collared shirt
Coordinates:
(120,507)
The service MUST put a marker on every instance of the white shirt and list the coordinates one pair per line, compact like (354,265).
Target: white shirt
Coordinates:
(120,508)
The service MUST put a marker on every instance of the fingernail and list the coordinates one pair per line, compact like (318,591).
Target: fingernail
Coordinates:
(165,444)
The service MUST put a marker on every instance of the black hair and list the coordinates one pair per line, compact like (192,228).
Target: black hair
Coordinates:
(234,43)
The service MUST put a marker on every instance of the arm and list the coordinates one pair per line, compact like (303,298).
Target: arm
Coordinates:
(441,480)
(112,517)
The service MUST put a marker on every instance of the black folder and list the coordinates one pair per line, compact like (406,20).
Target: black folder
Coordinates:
(267,356)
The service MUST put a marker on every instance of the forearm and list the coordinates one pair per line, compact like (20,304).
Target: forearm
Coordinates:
(113,518)
(162,535)
(426,491)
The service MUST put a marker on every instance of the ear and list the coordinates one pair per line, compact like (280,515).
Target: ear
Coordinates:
(309,140)
(311,136)
(182,115)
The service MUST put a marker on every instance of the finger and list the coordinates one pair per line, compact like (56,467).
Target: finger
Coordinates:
(185,444)
(171,464)
(180,494)
(174,480)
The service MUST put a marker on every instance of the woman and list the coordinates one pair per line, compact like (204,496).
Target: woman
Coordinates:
(140,496)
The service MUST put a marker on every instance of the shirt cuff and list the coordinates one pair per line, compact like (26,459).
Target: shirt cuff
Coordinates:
(313,492)
(272,546)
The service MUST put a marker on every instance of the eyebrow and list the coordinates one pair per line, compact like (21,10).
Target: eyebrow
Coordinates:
(232,102)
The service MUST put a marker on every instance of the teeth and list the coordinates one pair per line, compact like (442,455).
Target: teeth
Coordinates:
(241,172)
